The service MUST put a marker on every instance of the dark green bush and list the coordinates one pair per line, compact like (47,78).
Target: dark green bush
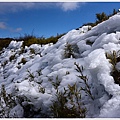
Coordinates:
(12,57)
(30,39)
(114,58)
(23,60)
(84,78)
(32,51)
(60,109)
(4,42)
(68,51)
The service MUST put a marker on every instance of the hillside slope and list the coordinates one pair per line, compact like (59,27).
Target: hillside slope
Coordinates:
(33,75)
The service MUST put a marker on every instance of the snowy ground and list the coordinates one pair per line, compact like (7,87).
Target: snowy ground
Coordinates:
(33,78)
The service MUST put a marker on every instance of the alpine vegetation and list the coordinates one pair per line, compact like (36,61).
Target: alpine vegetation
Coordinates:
(74,76)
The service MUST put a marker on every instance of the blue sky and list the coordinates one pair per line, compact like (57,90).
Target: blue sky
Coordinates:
(48,19)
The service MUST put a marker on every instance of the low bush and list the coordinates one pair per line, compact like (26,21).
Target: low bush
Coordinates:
(12,57)
(68,51)
(114,58)
(68,104)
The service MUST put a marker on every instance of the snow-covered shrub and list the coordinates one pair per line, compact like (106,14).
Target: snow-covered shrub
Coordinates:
(71,51)
(22,50)
(31,76)
(4,42)
(12,57)
(16,106)
(4,63)
(27,106)
(32,51)
(83,77)
(23,61)
(68,51)
(7,102)
(39,72)
(68,104)
(114,58)
(55,83)
(41,89)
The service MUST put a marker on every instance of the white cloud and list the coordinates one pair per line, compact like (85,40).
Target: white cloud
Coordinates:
(18,29)
(3,25)
(15,29)
(20,6)
(14,7)
(66,6)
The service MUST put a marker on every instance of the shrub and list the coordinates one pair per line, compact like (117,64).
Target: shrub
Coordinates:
(5,63)
(30,39)
(83,77)
(101,17)
(31,76)
(4,42)
(41,89)
(32,51)
(75,109)
(12,57)
(7,102)
(23,60)
(22,50)
(56,83)
(114,58)
(68,51)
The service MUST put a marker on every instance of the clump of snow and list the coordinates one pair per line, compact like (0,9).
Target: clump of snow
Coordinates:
(16,112)
(15,45)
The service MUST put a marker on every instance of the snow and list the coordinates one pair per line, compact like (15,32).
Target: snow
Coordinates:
(35,79)
(16,112)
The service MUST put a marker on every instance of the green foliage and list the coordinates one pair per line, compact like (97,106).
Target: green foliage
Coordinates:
(32,51)
(60,109)
(83,77)
(114,58)
(30,39)
(23,60)
(31,76)
(68,51)
(4,42)
(41,89)
(55,83)
(101,17)
(12,57)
